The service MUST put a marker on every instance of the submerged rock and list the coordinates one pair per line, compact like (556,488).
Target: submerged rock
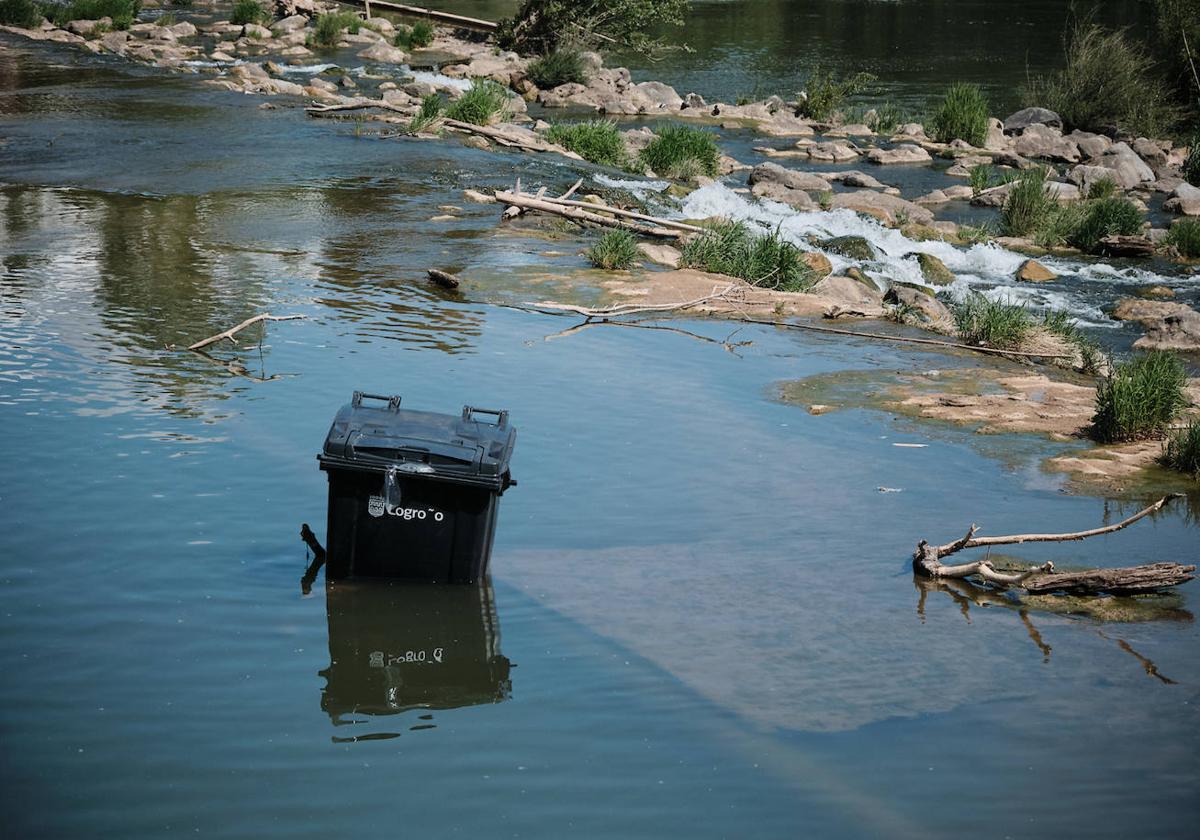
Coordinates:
(775,191)
(853,247)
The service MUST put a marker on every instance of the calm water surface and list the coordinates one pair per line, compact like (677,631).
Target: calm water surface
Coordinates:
(700,620)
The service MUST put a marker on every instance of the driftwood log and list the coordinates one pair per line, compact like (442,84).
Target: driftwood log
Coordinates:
(1043,579)
(434,15)
(663,229)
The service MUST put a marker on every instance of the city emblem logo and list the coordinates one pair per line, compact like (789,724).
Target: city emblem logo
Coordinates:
(375,506)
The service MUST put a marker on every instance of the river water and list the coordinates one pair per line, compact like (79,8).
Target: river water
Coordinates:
(700,620)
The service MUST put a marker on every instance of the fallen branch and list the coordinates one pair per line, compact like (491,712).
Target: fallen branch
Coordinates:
(620,309)
(502,137)
(360,104)
(577,214)
(229,333)
(1041,579)
(628,214)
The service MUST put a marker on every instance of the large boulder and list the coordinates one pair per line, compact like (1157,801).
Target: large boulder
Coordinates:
(889,209)
(1090,145)
(1185,199)
(934,270)
(291,23)
(1128,169)
(1086,175)
(855,178)
(929,309)
(833,151)
(1032,271)
(775,191)
(1154,152)
(1041,141)
(790,178)
(849,294)
(382,53)
(1169,326)
(1021,120)
(904,153)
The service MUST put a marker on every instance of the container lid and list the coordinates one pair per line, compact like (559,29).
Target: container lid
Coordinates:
(472,448)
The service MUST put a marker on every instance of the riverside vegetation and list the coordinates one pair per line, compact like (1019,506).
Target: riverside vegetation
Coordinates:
(1075,179)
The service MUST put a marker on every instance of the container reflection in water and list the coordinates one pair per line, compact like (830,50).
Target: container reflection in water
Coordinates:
(395,647)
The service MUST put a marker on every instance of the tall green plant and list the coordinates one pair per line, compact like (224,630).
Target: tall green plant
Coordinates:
(679,150)
(1109,80)
(1140,398)
(962,115)
(825,93)
(23,13)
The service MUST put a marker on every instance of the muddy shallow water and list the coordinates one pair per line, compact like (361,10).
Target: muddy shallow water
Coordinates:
(701,595)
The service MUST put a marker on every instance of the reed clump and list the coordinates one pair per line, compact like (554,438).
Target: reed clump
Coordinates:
(766,260)
(1140,398)
(680,151)
(615,250)
(992,323)
(962,115)
(597,141)
(484,103)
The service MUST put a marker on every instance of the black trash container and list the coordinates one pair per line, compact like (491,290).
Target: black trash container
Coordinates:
(396,646)
(413,494)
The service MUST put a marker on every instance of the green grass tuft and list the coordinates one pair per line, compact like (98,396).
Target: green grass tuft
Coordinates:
(1103,188)
(415,37)
(1105,217)
(1182,451)
(329,27)
(1184,237)
(167,19)
(992,323)
(962,115)
(431,109)
(23,13)
(981,177)
(765,260)
(616,250)
(1028,205)
(825,93)
(1140,398)
(1092,358)
(484,103)
(557,68)
(248,11)
(678,151)
(597,141)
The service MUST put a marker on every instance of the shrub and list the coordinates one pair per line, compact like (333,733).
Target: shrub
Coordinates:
(1183,450)
(678,151)
(431,109)
(825,93)
(962,115)
(247,11)
(1191,164)
(557,68)
(168,19)
(888,118)
(122,12)
(763,260)
(1184,237)
(330,25)
(1140,398)
(1027,206)
(540,27)
(414,37)
(992,323)
(23,13)
(1108,80)
(617,249)
(598,141)
(1105,217)
(485,102)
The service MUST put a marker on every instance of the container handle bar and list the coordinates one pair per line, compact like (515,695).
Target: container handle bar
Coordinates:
(393,401)
(501,416)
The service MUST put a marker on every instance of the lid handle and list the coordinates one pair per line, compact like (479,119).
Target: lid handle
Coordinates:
(393,401)
(501,416)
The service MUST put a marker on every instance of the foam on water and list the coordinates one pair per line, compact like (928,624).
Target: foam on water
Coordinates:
(987,268)
(306,69)
(437,79)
